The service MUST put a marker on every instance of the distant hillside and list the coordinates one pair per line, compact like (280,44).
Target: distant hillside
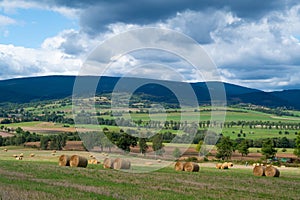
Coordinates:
(24,90)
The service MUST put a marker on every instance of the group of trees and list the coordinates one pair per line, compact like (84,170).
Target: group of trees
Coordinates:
(226,146)
(19,138)
(53,142)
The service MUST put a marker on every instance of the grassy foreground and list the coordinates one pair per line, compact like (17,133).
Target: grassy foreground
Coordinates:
(46,180)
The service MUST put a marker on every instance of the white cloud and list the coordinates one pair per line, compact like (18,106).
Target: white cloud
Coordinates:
(12,6)
(4,20)
(19,62)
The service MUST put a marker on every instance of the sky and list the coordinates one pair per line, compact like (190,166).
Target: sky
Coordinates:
(253,43)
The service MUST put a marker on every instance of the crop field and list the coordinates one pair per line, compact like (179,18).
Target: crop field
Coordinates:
(41,178)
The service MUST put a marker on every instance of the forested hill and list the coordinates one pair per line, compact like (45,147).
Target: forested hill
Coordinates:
(24,90)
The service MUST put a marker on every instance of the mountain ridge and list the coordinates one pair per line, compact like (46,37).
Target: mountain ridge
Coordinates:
(23,90)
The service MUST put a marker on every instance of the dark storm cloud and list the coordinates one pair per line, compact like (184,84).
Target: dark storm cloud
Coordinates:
(96,15)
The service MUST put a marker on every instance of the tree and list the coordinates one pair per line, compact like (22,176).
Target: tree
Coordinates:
(125,141)
(143,145)
(268,149)
(297,146)
(199,145)
(176,152)
(44,142)
(243,148)
(157,144)
(224,148)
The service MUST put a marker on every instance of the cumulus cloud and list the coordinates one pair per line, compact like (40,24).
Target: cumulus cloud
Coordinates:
(19,62)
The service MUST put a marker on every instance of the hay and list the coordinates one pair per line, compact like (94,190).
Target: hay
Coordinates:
(159,161)
(32,155)
(93,161)
(259,171)
(224,165)
(179,166)
(21,155)
(19,158)
(121,164)
(15,155)
(96,162)
(78,161)
(5,150)
(218,165)
(64,160)
(272,171)
(108,163)
(191,167)
(230,164)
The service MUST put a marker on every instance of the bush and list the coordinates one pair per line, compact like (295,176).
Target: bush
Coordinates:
(283,150)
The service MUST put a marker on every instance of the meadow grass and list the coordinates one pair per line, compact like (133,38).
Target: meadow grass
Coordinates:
(48,180)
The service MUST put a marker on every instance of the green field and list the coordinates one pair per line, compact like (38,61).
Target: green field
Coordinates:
(44,179)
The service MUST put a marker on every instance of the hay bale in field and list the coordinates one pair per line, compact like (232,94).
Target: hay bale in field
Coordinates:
(179,166)
(230,164)
(159,161)
(272,171)
(21,155)
(93,161)
(54,151)
(64,160)
(191,167)
(218,165)
(5,150)
(259,171)
(96,162)
(121,164)
(15,155)
(224,165)
(108,163)
(32,155)
(19,158)
(78,161)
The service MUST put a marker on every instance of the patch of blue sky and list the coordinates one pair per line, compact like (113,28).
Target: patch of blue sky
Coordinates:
(34,26)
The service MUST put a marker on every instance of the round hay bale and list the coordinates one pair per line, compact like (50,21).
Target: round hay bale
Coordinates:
(19,158)
(21,155)
(218,165)
(224,165)
(78,161)
(32,155)
(259,171)
(64,160)
(191,167)
(272,171)
(5,150)
(15,155)
(121,164)
(108,163)
(230,164)
(179,166)
(96,162)
(159,160)
(54,151)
